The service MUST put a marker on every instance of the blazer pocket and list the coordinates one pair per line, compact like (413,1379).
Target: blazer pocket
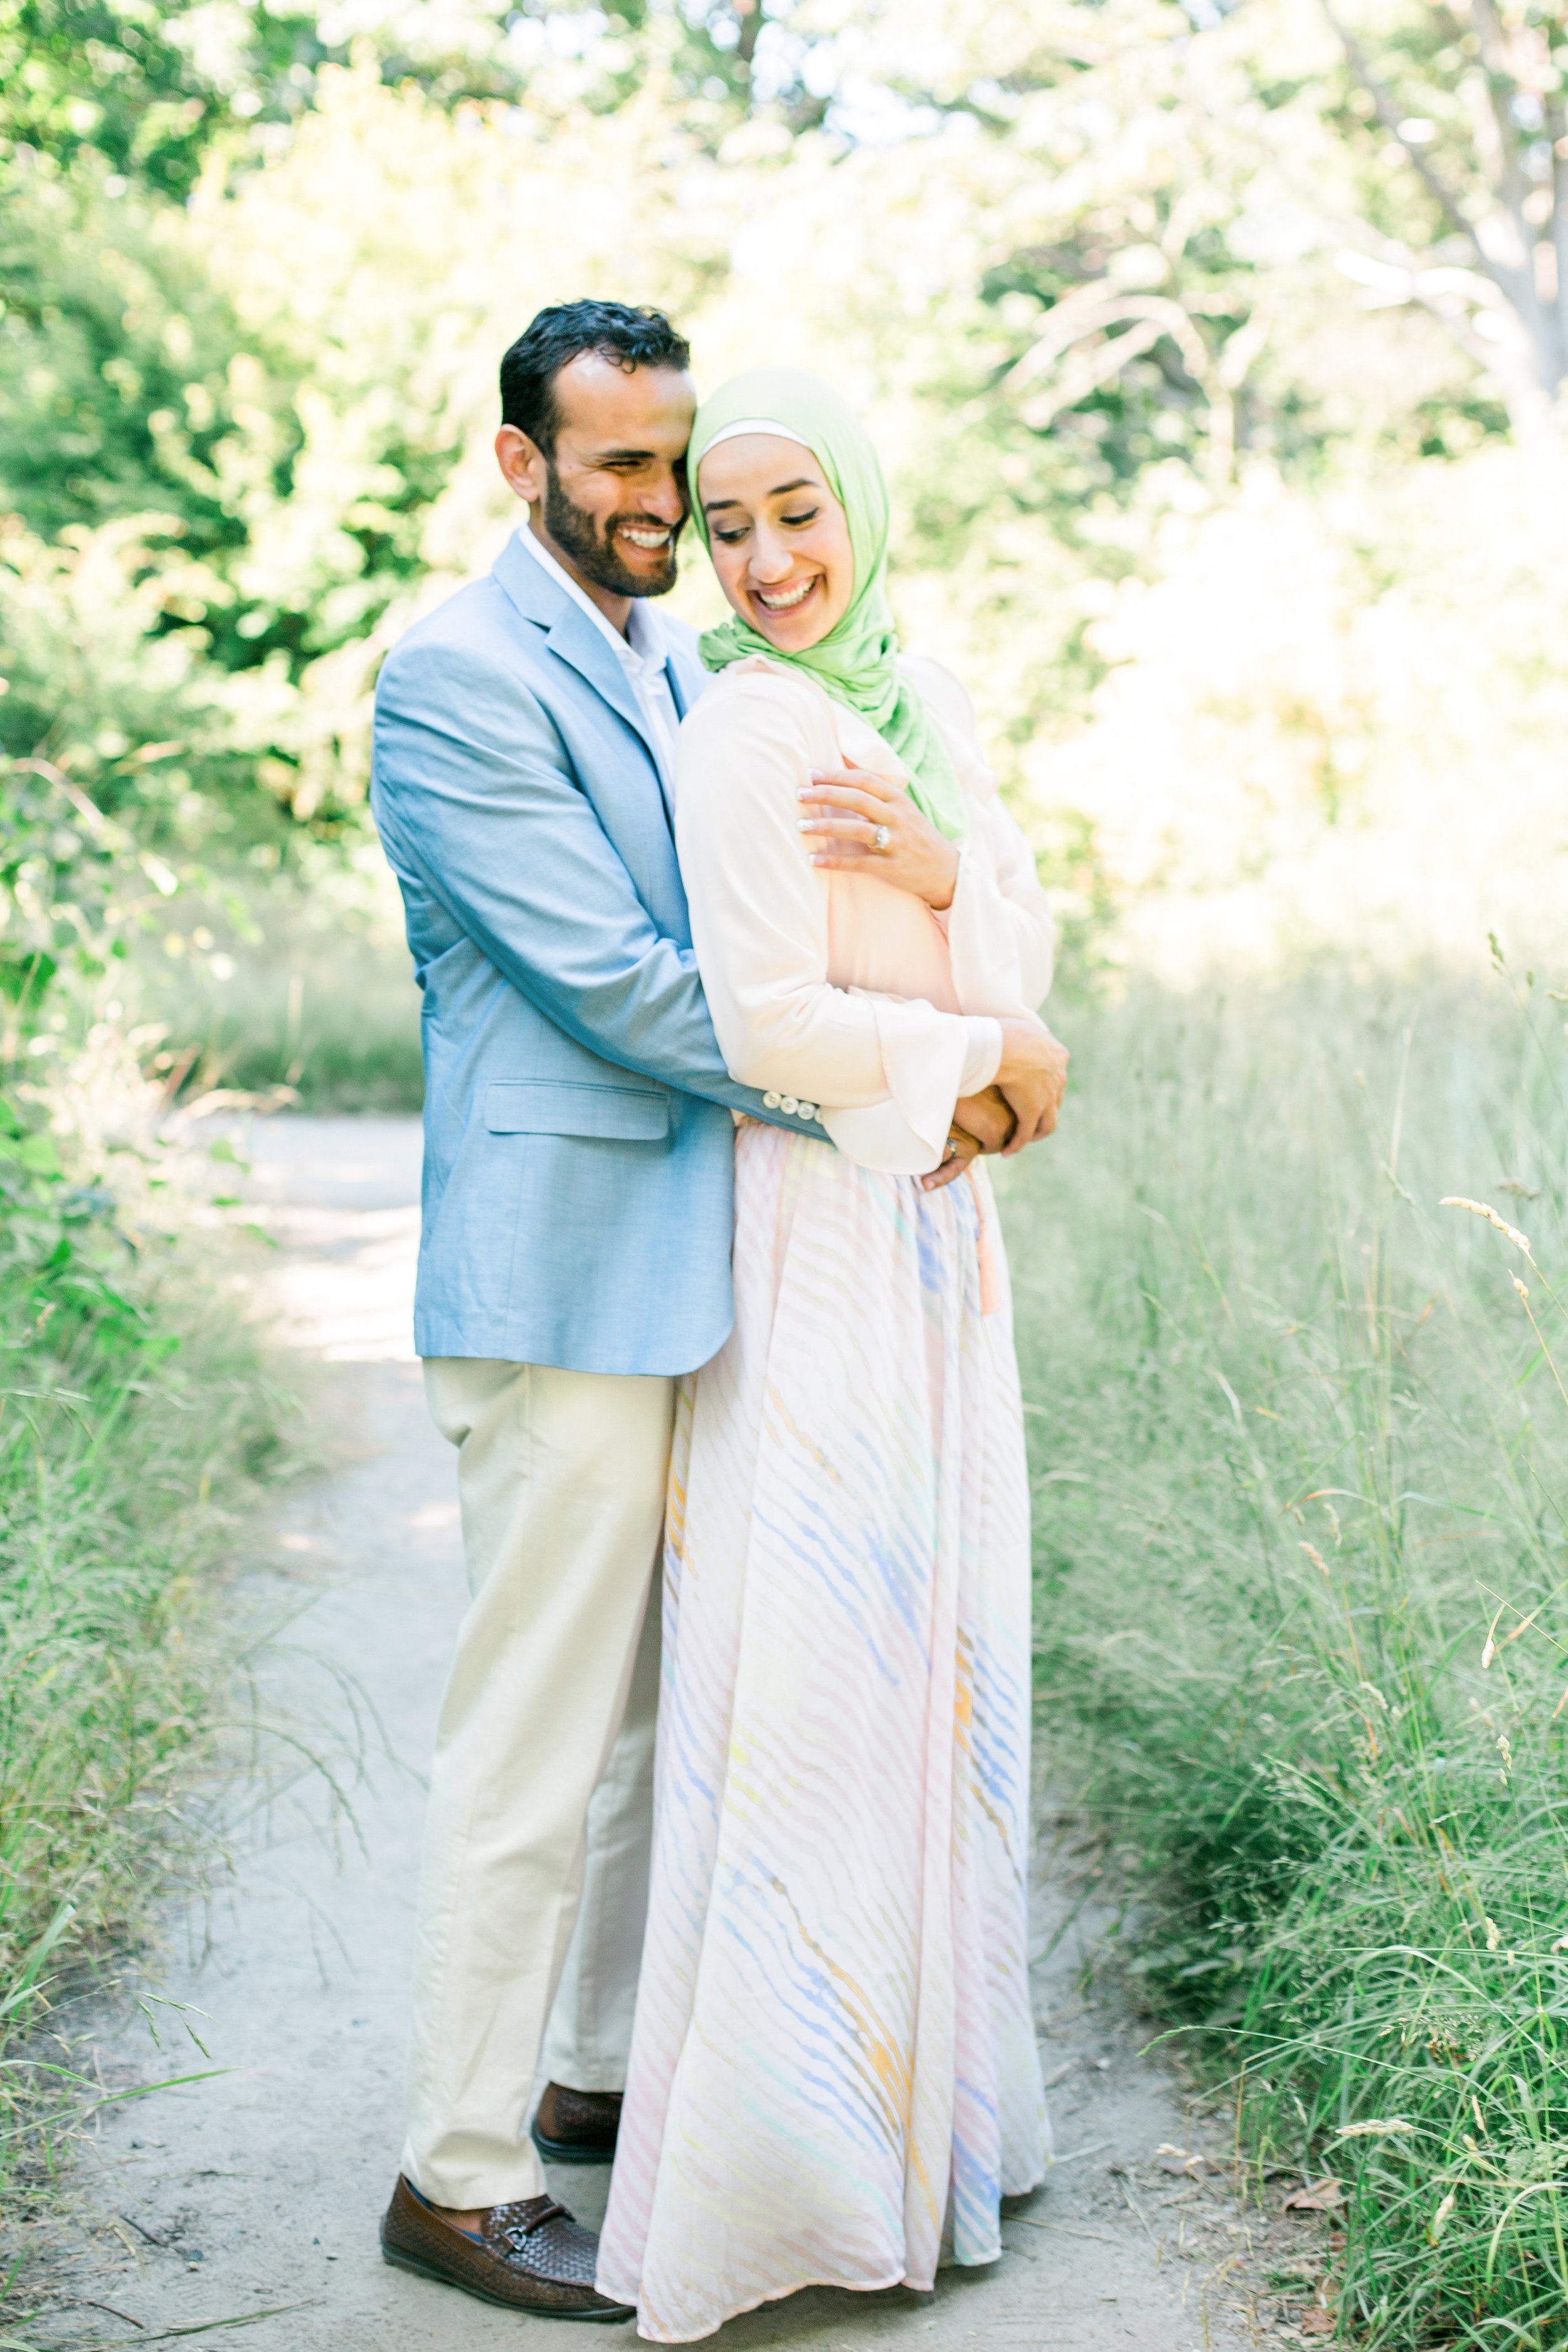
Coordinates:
(570,1107)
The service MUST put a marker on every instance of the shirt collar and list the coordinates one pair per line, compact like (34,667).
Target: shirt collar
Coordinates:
(643,648)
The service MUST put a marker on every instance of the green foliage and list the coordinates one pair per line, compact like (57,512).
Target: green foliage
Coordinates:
(84,77)
(1297,1446)
(133,1422)
(127,385)
(62,872)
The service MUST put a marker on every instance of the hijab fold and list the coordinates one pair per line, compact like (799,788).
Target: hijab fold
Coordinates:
(857,661)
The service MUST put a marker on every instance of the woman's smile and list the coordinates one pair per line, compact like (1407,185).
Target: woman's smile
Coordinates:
(789,599)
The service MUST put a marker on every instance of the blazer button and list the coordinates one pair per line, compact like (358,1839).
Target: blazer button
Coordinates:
(788,1105)
(770,1100)
(808,1110)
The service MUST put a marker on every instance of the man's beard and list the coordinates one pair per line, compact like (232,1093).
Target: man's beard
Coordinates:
(592,550)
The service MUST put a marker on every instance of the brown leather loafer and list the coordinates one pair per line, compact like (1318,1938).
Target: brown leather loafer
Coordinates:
(529,2256)
(577,2126)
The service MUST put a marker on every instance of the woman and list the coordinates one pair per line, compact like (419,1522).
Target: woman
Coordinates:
(833,2060)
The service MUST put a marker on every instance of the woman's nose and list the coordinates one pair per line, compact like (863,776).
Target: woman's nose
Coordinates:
(771,559)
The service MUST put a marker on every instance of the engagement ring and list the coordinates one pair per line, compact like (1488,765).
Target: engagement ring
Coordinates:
(882,838)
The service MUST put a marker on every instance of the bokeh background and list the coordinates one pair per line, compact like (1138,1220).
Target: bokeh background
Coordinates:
(1216,357)
(1213,356)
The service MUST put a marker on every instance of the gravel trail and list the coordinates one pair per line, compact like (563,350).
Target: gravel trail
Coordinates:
(225,2200)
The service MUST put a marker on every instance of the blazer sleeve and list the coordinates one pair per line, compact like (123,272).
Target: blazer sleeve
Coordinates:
(473,791)
(759,918)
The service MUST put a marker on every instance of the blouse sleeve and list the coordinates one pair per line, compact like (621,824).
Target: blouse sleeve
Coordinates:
(759,924)
(1000,931)
(1001,934)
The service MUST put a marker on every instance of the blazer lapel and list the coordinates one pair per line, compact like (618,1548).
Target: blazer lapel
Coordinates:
(572,635)
(627,795)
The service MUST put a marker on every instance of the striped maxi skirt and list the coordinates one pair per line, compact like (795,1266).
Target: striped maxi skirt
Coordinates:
(833,2074)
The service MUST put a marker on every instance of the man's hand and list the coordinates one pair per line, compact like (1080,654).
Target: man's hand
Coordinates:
(980,1123)
(989,1117)
(1033,1077)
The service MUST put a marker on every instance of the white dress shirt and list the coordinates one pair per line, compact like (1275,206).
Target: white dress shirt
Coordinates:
(642,653)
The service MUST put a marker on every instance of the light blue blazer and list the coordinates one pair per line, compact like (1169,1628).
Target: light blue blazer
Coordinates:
(579,1150)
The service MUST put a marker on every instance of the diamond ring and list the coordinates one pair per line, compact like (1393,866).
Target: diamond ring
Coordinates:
(881,839)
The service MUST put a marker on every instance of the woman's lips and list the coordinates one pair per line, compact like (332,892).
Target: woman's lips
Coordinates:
(781,601)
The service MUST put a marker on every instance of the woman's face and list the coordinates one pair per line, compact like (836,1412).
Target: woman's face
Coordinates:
(779,538)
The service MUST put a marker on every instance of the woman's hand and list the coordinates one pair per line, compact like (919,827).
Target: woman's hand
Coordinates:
(867,826)
(1033,1075)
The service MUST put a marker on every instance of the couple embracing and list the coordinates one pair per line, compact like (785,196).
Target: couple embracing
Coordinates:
(729,953)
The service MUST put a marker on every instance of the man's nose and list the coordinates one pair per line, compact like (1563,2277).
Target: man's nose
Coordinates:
(666,498)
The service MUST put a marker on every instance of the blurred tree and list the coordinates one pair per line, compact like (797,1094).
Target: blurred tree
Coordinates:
(84,77)
(1458,119)
(118,390)
(1077,257)
(146,89)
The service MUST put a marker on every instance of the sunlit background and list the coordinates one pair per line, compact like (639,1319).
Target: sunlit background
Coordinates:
(1213,356)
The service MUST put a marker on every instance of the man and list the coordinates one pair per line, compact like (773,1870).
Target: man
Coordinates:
(575,1261)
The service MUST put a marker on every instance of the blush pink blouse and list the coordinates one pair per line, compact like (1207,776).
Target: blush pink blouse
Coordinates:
(833,988)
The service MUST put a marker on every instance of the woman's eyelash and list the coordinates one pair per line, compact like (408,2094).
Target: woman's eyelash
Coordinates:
(734,538)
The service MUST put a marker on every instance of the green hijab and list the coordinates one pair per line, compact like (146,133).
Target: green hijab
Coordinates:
(856,661)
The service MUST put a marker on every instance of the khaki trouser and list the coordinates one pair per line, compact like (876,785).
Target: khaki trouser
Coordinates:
(541,1792)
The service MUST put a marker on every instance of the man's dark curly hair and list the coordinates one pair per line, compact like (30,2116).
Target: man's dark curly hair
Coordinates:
(627,338)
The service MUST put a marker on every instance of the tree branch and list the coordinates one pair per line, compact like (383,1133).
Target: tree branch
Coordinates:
(1557,131)
(1445,198)
(1502,88)
(1147,319)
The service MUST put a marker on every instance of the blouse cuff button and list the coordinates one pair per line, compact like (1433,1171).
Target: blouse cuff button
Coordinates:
(770,1100)
(788,1105)
(808,1110)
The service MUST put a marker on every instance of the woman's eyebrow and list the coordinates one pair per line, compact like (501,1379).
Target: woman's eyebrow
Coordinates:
(804,482)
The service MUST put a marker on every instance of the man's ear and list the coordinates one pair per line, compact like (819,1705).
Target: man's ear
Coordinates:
(522,463)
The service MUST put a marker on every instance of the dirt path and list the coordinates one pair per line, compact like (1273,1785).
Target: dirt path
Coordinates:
(261,2188)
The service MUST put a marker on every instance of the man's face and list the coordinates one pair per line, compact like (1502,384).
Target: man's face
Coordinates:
(612,497)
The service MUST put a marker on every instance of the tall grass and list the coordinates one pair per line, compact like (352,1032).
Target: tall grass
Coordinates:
(1301,1477)
(133,1422)
(298,981)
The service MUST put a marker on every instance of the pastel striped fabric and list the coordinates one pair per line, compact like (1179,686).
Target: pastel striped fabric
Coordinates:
(833,2074)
